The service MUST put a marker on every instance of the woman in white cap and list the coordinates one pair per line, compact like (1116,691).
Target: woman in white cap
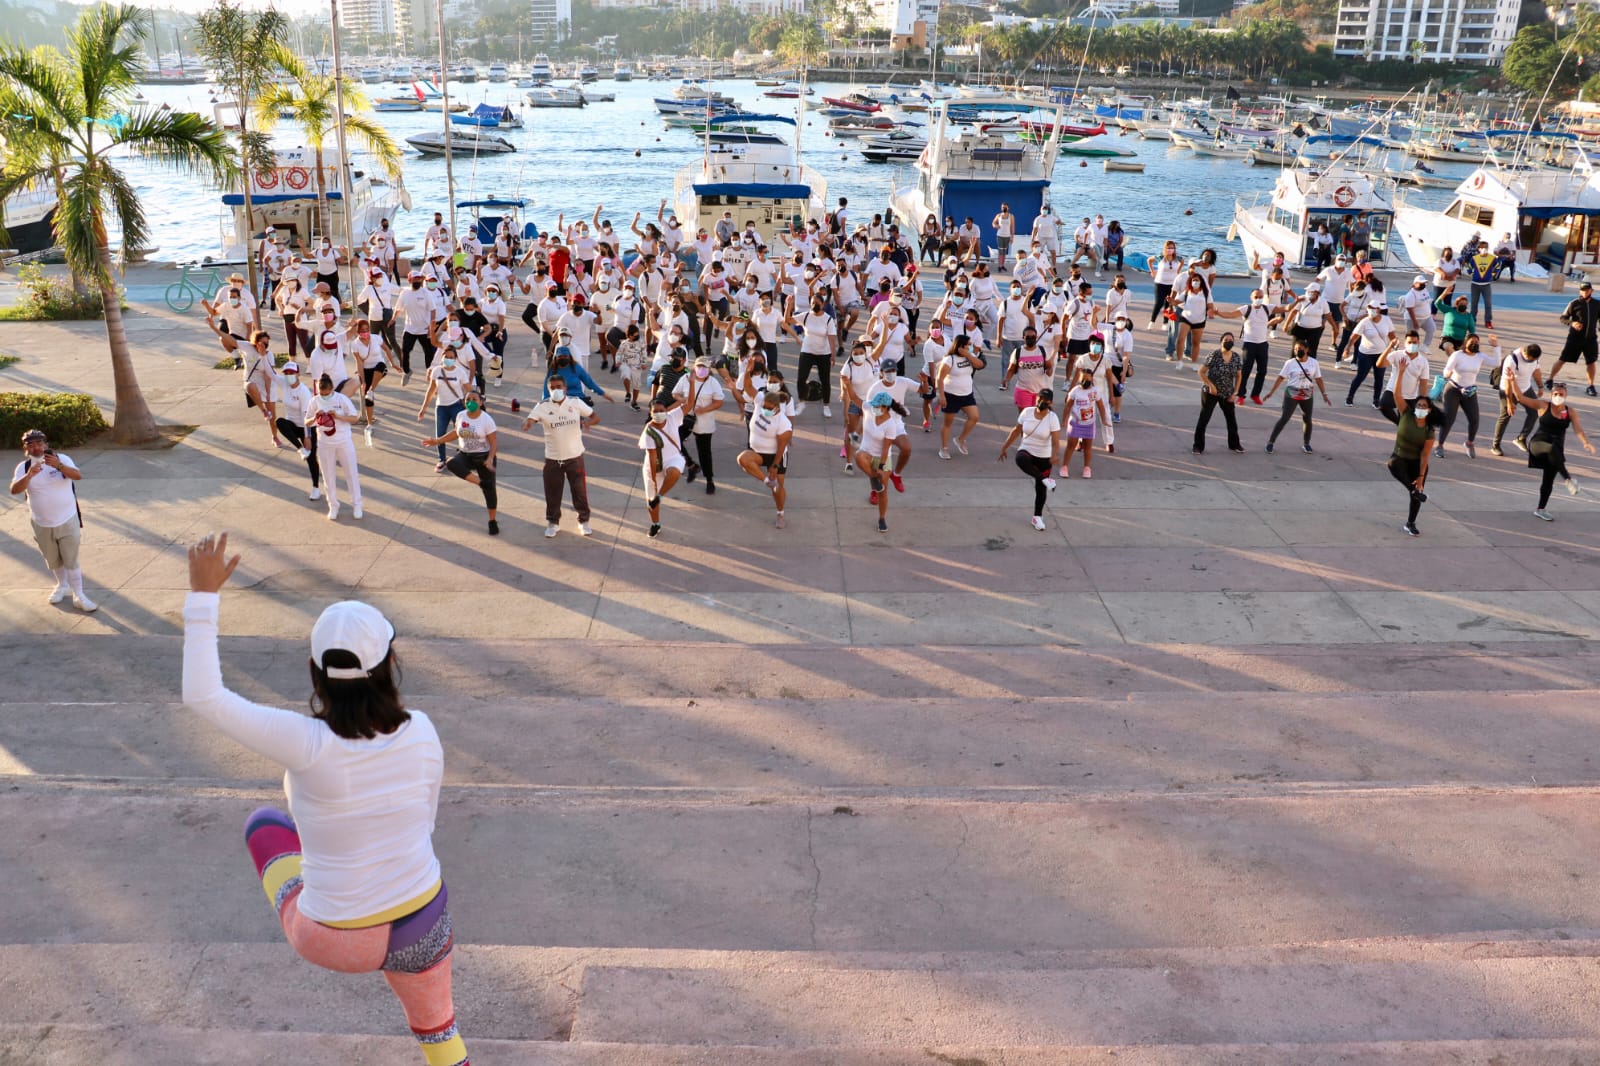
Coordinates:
(333,414)
(349,869)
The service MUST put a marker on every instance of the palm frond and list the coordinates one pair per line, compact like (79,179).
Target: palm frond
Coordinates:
(377,140)
(80,222)
(47,87)
(180,140)
(105,45)
(126,207)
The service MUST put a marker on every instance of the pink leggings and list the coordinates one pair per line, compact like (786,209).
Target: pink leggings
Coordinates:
(412,952)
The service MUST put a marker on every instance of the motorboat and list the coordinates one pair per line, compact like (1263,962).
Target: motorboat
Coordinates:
(968,172)
(284,196)
(1097,147)
(539,70)
(892,149)
(1112,166)
(371,76)
(27,219)
(858,102)
(464,141)
(1220,148)
(596,96)
(498,72)
(464,73)
(860,125)
(760,182)
(490,116)
(622,72)
(1550,215)
(555,96)
(1316,192)
(401,74)
(397,103)
(587,73)
(488,213)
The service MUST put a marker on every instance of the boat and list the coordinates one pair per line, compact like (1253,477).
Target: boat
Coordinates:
(284,196)
(860,126)
(1551,215)
(498,72)
(1321,191)
(622,72)
(539,69)
(401,74)
(786,91)
(587,73)
(1095,147)
(489,212)
(1263,155)
(965,171)
(464,141)
(1221,148)
(371,76)
(27,219)
(397,103)
(593,96)
(490,116)
(464,73)
(857,102)
(764,183)
(555,96)
(892,149)
(1419,179)
(1122,166)
(1033,131)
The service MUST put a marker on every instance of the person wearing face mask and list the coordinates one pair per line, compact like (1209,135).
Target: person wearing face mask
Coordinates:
(701,397)
(290,300)
(889,333)
(566,370)
(1013,320)
(1299,376)
(1309,317)
(1164,271)
(664,463)
(1358,296)
(385,249)
(1461,388)
(230,320)
(934,349)
(855,378)
(1547,446)
(770,432)
(325,258)
(985,296)
(1038,429)
(1119,301)
(1374,339)
(47,479)
(819,332)
(1256,326)
(1086,412)
(261,385)
(1582,319)
(1120,350)
(1046,234)
(1457,321)
(1032,367)
(478,447)
(1410,378)
(449,381)
(294,414)
(1519,376)
(631,360)
(414,308)
(1417,305)
(372,355)
(1219,382)
(1194,308)
(955,387)
(564,418)
(1097,361)
(882,427)
(332,414)
(1408,464)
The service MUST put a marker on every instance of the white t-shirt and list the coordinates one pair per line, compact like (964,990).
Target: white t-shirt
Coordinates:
(1514,368)
(874,435)
(1082,409)
(1462,368)
(473,432)
(664,436)
(859,376)
(707,391)
(1372,337)
(1036,432)
(819,332)
(51,501)
(452,384)
(1166,271)
(959,381)
(563,427)
(1013,317)
(1257,321)
(897,390)
(370,351)
(323,408)
(933,353)
(1413,372)
(767,322)
(765,431)
(1334,283)
(1299,378)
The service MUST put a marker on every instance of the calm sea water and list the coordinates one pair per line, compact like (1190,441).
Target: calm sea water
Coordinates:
(619,155)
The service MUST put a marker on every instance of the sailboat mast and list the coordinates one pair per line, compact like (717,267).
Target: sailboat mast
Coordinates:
(346,192)
(444,89)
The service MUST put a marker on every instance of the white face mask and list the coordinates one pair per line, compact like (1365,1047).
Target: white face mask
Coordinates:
(1411,349)
(658,417)
(1558,401)
(557,395)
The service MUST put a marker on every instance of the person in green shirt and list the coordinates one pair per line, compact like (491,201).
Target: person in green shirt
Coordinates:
(1458,321)
(1409,463)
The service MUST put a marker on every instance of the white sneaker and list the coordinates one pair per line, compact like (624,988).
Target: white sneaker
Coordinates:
(1050,483)
(355,512)
(1038,523)
(944,453)
(84,603)
(333,514)
(316,493)
(827,412)
(552,529)
(1546,515)
(799,409)
(1572,486)
(583,527)
(61,593)
(305,453)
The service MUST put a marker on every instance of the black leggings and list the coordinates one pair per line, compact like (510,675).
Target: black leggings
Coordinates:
(405,351)
(1406,471)
(1551,462)
(1209,402)
(702,447)
(1455,399)
(1255,355)
(298,436)
(1160,305)
(1289,405)
(1038,468)
(463,463)
(1529,418)
(1366,364)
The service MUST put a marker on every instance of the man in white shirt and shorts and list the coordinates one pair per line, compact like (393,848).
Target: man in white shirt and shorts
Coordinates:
(47,480)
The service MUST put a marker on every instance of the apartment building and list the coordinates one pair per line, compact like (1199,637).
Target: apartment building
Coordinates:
(1442,31)
(550,17)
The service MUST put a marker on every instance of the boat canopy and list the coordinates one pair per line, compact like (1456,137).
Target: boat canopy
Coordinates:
(493,201)
(489,225)
(743,116)
(235,199)
(756,190)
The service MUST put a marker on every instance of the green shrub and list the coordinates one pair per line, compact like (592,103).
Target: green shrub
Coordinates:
(51,298)
(67,418)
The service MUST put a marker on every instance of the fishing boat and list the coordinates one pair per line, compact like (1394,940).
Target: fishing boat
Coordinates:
(498,72)
(490,116)
(284,196)
(539,69)
(967,172)
(1313,193)
(764,183)
(1550,215)
(26,219)
(622,72)
(464,141)
(555,96)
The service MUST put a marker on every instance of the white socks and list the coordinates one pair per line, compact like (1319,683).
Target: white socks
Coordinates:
(75,581)
(61,588)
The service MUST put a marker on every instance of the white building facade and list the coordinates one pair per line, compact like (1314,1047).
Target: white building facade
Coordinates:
(748,7)
(552,17)
(901,17)
(1435,31)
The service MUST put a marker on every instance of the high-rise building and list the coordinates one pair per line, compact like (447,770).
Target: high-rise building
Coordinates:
(372,19)
(748,7)
(550,17)
(900,17)
(1439,31)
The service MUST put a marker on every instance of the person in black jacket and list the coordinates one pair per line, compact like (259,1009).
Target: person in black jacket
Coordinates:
(1582,316)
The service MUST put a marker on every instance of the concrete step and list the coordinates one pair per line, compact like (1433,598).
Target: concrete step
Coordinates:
(66,1045)
(987,871)
(885,741)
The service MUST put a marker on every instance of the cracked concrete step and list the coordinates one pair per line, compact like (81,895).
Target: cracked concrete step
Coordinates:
(71,1045)
(874,873)
(1098,743)
(1463,999)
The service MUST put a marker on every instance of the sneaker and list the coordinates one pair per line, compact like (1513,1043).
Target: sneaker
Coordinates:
(84,603)
(1521,443)
(552,529)
(1438,453)
(1237,451)
(900,485)
(924,425)
(315,494)
(1087,472)
(367,435)
(1111,449)
(355,512)
(1488,325)
(799,408)
(305,453)
(438,468)
(61,593)
(1572,486)
(844,452)
(1270,446)
(1116,417)
(655,529)
(1349,403)
(333,514)
(1472,453)
(1377,407)
(962,448)
(872,497)
(585,530)
(1256,400)
(1038,523)
(1049,483)
(1000,387)
(1495,450)
(711,487)
(692,473)
(1306,448)
(883,525)
(1410,530)
(634,405)
(1590,391)
(1066,471)
(944,453)
(494,528)
(849,468)
(827,412)
(780,521)
(405,377)
(1546,515)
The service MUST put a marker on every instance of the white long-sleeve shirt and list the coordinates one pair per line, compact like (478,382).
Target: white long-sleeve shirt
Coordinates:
(364,809)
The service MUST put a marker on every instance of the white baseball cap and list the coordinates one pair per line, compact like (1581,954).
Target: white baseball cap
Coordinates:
(355,627)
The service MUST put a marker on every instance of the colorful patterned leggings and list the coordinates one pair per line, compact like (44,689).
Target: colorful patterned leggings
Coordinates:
(413,952)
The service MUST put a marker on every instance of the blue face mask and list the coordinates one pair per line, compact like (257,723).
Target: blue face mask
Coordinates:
(1096,349)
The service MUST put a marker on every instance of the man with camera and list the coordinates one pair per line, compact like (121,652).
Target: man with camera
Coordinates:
(53,507)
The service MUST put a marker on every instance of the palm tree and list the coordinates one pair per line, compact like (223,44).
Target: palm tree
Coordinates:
(310,100)
(69,126)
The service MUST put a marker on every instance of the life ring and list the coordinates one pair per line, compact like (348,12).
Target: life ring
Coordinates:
(1477,181)
(267,179)
(296,177)
(1344,196)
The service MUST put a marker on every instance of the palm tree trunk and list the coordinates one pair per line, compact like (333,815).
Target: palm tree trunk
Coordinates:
(132,423)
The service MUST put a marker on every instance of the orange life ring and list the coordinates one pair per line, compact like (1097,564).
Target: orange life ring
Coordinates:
(296,177)
(1344,196)
(1477,181)
(267,179)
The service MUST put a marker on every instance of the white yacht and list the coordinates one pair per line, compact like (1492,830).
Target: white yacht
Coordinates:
(464,140)
(1316,192)
(285,197)
(623,72)
(498,72)
(761,183)
(26,218)
(555,96)
(539,69)
(1548,213)
(967,171)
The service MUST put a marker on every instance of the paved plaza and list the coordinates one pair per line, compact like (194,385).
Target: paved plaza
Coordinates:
(1219,767)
